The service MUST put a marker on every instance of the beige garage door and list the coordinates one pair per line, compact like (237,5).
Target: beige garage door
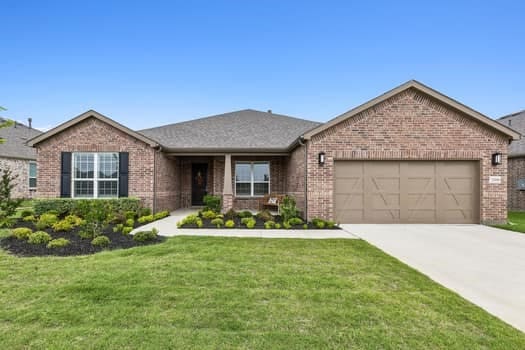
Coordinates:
(407,191)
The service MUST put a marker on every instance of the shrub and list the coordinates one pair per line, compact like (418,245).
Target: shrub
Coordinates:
(26,212)
(95,215)
(330,224)
(265,215)
(208,214)
(245,214)
(46,220)
(130,214)
(295,221)
(229,224)
(39,237)
(65,206)
(126,230)
(144,236)
(85,234)
(117,218)
(217,222)
(249,222)
(145,219)
(130,222)
(212,203)
(230,214)
(288,208)
(58,243)
(118,228)
(8,205)
(287,225)
(277,225)
(318,223)
(62,225)
(189,220)
(305,226)
(74,220)
(144,211)
(29,218)
(100,241)
(161,215)
(269,224)
(21,232)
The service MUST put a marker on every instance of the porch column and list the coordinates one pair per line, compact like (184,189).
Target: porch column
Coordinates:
(227,189)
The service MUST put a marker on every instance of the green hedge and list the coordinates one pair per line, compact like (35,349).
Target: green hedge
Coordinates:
(65,206)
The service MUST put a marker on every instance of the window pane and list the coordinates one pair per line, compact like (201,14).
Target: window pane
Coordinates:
(107,188)
(108,165)
(83,188)
(260,189)
(242,172)
(32,169)
(84,165)
(32,182)
(261,172)
(242,189)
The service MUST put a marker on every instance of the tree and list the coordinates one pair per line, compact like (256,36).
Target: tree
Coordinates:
(8,204)
(5,124)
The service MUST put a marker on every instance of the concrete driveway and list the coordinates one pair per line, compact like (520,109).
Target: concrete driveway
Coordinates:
(483,264)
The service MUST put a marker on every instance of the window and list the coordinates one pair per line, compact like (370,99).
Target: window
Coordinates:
(252,179)
(95,175)
(32,175)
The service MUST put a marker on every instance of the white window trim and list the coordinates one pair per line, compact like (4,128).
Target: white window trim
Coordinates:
(29,177)
(251,181)
(95,178)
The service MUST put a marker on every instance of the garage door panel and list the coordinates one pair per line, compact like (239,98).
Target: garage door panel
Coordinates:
(383,215)
(421,201)
(349,201)
(349,185)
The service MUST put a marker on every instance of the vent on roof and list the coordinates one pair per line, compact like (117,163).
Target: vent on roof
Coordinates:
(270,111)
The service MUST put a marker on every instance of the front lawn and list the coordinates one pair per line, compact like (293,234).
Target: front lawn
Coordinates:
(516,222)
(216,293)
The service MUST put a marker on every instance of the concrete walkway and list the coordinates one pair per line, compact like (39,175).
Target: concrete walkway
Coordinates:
(484,265)
(168,227)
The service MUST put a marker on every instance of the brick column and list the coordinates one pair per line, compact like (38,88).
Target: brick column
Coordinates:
(227,192)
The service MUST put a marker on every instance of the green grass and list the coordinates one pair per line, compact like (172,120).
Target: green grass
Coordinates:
(220,293)
(516,222)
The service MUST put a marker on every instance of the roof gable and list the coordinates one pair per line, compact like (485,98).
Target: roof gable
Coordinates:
(412,84)
(90,114)
(16,137)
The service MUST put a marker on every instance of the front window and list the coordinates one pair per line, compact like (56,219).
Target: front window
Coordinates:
(32,175)
(252,179)
(95,175)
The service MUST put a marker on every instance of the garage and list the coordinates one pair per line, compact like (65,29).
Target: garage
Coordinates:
(407,192)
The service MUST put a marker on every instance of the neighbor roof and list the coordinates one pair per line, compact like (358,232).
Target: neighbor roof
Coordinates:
(16,137)
(515,121)
(244,130)
(427,90)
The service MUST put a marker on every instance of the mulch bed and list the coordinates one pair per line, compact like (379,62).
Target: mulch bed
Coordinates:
(258,225)
(78,246)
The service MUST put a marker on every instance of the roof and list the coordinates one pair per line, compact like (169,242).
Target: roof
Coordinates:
(16,137)
(413,84)
(515,121)
(244,130)
(90,114)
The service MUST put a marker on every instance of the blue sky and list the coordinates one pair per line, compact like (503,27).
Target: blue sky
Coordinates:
(152,63)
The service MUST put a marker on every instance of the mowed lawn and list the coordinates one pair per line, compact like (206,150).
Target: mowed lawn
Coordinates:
(516,222)
(220,293)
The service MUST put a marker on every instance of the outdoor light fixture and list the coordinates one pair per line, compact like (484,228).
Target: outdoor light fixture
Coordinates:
(321,158)
(496,158)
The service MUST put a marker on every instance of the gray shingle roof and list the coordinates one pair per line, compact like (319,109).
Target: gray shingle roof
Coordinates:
(245,130)
(516,121)
(15,146)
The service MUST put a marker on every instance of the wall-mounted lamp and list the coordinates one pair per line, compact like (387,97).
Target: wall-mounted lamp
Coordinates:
(496,158)
(321,157)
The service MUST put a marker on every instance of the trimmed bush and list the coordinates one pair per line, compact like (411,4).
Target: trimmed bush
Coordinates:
(21,232)
(130,214)
(144,212)
(46,220)
(217,222)
(126,230)
(64,206)
(144,236)
(287,225)
(145,219)
(29,218)
(208,214)
(100,241)
(39,237)
(318,223)
(229,224)
(277,225)
(84,234)
(265,215)
(212,203)
(330,224)
(295,221)
(305,226)
(130,222)
(58,243)
(249,222)
(161,215)
(191,219)
(26,212)
(245,214)
(230,214)
(62,225)
(269,224)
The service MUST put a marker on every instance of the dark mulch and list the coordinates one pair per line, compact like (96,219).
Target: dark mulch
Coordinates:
(78,246)
(258,225)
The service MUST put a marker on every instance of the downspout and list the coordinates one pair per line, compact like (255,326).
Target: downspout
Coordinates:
(302,143)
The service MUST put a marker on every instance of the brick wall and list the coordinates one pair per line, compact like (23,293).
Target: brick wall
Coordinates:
(516,198)
(295,176)
(20,168)
(167,182)
(409,126)
(93,135)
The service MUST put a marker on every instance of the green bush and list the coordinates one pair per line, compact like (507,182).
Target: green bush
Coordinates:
(144,236)
(277,225)
(29,218)
(208,214)
(85,234)
(288,208)
(287,225)
(144,211)
(145,219)
(101,241)
(161,215)
(58,243)
(230,214)
(64,206)
(229,224)
(265,215)
(21,232)
(269,224)
(305,226)
(39,237)
(217,222)
(212,203)
(45,221)
(26,212)
(318,223)
(74,220)
(191,219)
(8,204)
(130,222)
(126,230)
(245,214)
(249,222)
(130,214)
(62,225)
(295,221)
(330,224)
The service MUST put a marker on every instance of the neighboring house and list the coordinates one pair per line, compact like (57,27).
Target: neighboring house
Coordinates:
(516,163)
(20,158)
(410,155)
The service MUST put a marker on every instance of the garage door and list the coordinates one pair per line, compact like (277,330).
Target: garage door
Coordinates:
(407,191)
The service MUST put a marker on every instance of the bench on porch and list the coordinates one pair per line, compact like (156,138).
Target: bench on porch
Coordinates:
(271,201)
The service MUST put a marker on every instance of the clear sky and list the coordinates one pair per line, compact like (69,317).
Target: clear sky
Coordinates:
(151,63)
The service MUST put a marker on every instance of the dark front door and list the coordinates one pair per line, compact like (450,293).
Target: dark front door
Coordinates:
(199,180)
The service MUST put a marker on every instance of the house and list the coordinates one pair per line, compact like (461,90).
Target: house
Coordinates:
(516,162)
(20,158)
(410,155)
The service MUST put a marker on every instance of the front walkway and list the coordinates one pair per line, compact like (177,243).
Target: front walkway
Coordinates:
(168,227)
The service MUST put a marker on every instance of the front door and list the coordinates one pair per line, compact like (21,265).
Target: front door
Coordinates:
(199,180)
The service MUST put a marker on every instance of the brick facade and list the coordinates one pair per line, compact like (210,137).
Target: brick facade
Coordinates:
(19,168)
(516,197)
(408,126)
(296,176)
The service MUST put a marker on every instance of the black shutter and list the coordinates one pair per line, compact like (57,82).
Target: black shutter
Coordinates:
(65,175)
(123,166)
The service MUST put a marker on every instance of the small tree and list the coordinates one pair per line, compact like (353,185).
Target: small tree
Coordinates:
(8,205)
(5,124)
